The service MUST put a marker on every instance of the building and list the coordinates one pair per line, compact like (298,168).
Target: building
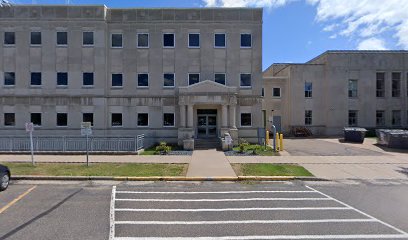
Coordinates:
(338,89)
(171,74)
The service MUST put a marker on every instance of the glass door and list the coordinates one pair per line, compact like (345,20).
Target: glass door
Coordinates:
(206,126)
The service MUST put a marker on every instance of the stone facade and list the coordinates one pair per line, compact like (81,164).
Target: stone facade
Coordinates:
(348,88)
(124,67)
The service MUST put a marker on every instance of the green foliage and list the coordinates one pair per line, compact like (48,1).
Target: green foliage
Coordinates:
(163,148)
(242,145)
(256,149)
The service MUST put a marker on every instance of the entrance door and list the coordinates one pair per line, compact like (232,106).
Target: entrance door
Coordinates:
(206,123)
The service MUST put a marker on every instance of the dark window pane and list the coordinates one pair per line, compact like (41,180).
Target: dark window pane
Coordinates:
(246,119)
(263,92)
(35,38)
(143,119)
(117,80)
(116,119)
(396,84)
(245,80)
(62,119)
(168,40)
(219,40)
(396,118)
(9,119)
(62,79)
(143,40)
(168,79)
(246,40)
(36,119)
(88,79)
(9,78)
(88,117)
(143,80)
(193,78)
(194,40)
(62,38)
(220,78)
(168,119)
(380,118)
(9,38)
(35,78)
(276,92)
(87,38)
(308,89)
(116,40)
(308,117)
(380,84)
(352,118)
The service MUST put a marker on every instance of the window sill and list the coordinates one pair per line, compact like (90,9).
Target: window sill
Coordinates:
(35,45)
(62,86)
(219,47)
(193,47)
(245,87)
(143,87)
(142,126)
(117,126)
(143,47)
(62,45)
(9,86)
(62,126)
(169,87)
(245,47)
(88,87)
(35,86)
(169,126)
(88,46)
(116,87)
(9,45)
(116,47)
(246,126)
(168,47)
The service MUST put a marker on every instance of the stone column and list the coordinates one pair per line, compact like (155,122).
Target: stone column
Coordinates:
(190,116)
(182,116)
(233,115)
(224,116)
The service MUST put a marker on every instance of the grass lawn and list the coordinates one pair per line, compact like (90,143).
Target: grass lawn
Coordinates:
(98,169)
(268,169)
(260,151)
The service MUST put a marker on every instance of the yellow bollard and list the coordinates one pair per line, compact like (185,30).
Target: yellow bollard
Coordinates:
(267,137)
(277,142)
(281,142)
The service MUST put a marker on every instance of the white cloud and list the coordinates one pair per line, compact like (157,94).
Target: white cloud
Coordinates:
(372,44)
(246,3)
(365,20)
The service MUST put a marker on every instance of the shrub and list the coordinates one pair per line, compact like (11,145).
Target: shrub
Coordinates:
(256,149)
(163,148)
(242,145)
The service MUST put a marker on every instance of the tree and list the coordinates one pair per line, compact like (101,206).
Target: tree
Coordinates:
(4,3)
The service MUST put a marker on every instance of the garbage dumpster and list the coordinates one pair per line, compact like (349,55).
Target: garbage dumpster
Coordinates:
(354,134)
(393,138)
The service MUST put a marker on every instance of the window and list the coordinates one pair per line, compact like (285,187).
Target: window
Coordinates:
(308,89)
(9,38)
(380,85)
(246,120)
(35,38)
(396,118)
(263,93)
(168,80)
(352,88)
(193,78)
(352,118)
(380,118)
(116,119)
(9,78)
(168,40)
(36,119)
(245,80)
(35,79)
(193,40)
(88,38)
(142,40)
(117,40)
(9,119)
(142,119)
(276,92)
(219,40)
(62,79)
(219,78)
(396,84)
(117,80)
(142,80)
(168,119)
(246,40)
(308,117)
(88,79)
(62,119)
(88,117)
(62,38)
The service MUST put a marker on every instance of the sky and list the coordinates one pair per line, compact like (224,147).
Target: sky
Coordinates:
(295,31)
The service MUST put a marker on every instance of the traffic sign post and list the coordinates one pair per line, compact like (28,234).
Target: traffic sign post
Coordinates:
(30,128)
(86,130)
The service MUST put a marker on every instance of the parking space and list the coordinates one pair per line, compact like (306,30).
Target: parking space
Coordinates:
(278,211)
(322,147)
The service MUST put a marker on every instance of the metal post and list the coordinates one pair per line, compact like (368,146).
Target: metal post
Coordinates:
(87,154)
(274,137)
(32,147)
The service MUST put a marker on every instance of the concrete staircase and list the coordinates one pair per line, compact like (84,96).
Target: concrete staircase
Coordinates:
(207,143)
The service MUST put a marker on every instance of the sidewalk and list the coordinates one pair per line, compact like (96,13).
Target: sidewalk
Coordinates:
(209,163)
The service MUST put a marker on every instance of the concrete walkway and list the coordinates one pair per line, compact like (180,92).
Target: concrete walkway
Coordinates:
(209,163)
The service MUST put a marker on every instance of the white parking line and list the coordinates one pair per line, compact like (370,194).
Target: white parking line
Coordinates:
(227,192)
(229,209)
(221,200)
(242,222)
(281,237)
(112,215)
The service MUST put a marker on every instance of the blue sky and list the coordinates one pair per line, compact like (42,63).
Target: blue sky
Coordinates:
(298,30)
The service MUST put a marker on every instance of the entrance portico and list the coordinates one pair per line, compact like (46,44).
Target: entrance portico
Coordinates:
(207,110)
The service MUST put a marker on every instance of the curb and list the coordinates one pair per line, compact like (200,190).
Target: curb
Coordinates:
(166,178)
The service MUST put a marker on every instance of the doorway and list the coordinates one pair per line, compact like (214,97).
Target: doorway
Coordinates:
(206,123)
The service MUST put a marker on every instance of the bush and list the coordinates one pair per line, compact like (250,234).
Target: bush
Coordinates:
(163,148)
(242,145)
(256,149)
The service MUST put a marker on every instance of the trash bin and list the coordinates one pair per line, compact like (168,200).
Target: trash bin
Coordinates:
(354,134)
(393,138)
